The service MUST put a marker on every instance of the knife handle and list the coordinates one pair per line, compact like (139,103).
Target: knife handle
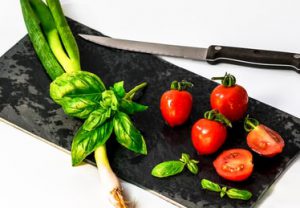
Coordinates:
(253,57)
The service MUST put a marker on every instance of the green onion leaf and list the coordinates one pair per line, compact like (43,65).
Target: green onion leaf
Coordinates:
(66,36)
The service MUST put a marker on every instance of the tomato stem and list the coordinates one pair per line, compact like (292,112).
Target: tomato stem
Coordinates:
(250,123)
(227,80)
(217,116)
(183,85)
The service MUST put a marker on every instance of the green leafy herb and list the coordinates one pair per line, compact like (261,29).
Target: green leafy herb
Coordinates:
(191,164)
(131,107)
(168,168)
(232,193)
(73,85)
(79,107)
(127,134)
(193,167)
(239,194)
(209,185)
(223,191)
(118,88)
(85,142)
(109,100)
(173,167)
(83,95)
(96,118)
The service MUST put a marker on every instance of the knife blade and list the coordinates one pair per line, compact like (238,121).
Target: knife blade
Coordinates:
(214,54)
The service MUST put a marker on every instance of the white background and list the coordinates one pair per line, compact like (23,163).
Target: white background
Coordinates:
(35,174)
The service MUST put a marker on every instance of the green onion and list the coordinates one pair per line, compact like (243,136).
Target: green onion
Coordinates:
(39,41)
(66,35)
(48,25)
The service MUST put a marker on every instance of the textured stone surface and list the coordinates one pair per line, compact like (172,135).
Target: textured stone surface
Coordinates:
(25,101)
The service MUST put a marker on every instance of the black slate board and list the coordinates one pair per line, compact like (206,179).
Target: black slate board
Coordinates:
(25,101)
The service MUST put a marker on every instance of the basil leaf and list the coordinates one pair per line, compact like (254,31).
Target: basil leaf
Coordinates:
(118,88)
(131,107)
(127,135)
(168,168)
(96,118)
(185,158)
(79,107)
(85,142)
(109,100)
(193,167)
(75,85)
(209,185)
(223,192)
(239,194)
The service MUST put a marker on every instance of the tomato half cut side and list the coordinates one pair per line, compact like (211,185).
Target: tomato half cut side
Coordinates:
(265,141)
(234,164)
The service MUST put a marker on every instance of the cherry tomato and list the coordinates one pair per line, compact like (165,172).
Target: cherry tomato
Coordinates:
(234,164)
(229,98)
(176,104)
(263,140)
(208,135)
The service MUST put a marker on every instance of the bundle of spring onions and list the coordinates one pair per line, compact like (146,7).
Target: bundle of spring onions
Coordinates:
(83,94)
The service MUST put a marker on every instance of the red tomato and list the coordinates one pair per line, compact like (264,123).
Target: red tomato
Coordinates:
(232,101)
(234,164)
(208,136)
(176,106)
(265,141)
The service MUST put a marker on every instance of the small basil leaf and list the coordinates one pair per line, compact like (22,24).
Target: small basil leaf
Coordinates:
(118,88)
(131,107)
(109,100)
(127,135)
(193,168)
(223,192)
(209,185)
(185,158)
(239,194)
(194,161)
(96,118)
(85,142)
(79,107)
(78,84)
(168,168)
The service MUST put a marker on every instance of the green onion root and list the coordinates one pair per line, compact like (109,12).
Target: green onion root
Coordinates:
(110,184)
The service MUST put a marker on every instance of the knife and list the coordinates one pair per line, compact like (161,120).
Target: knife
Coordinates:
(213,54)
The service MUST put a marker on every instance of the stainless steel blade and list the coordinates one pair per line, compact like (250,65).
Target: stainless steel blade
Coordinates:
(152,48)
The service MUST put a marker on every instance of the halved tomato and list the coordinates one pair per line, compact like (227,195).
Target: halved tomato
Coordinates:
(234,164)
(265,141)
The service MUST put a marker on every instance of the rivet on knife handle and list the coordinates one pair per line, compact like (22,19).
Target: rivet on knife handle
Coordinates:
(253,57)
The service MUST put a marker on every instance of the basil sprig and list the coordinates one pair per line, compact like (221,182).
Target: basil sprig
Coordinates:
(83,95)
(174,167)
(232,193)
